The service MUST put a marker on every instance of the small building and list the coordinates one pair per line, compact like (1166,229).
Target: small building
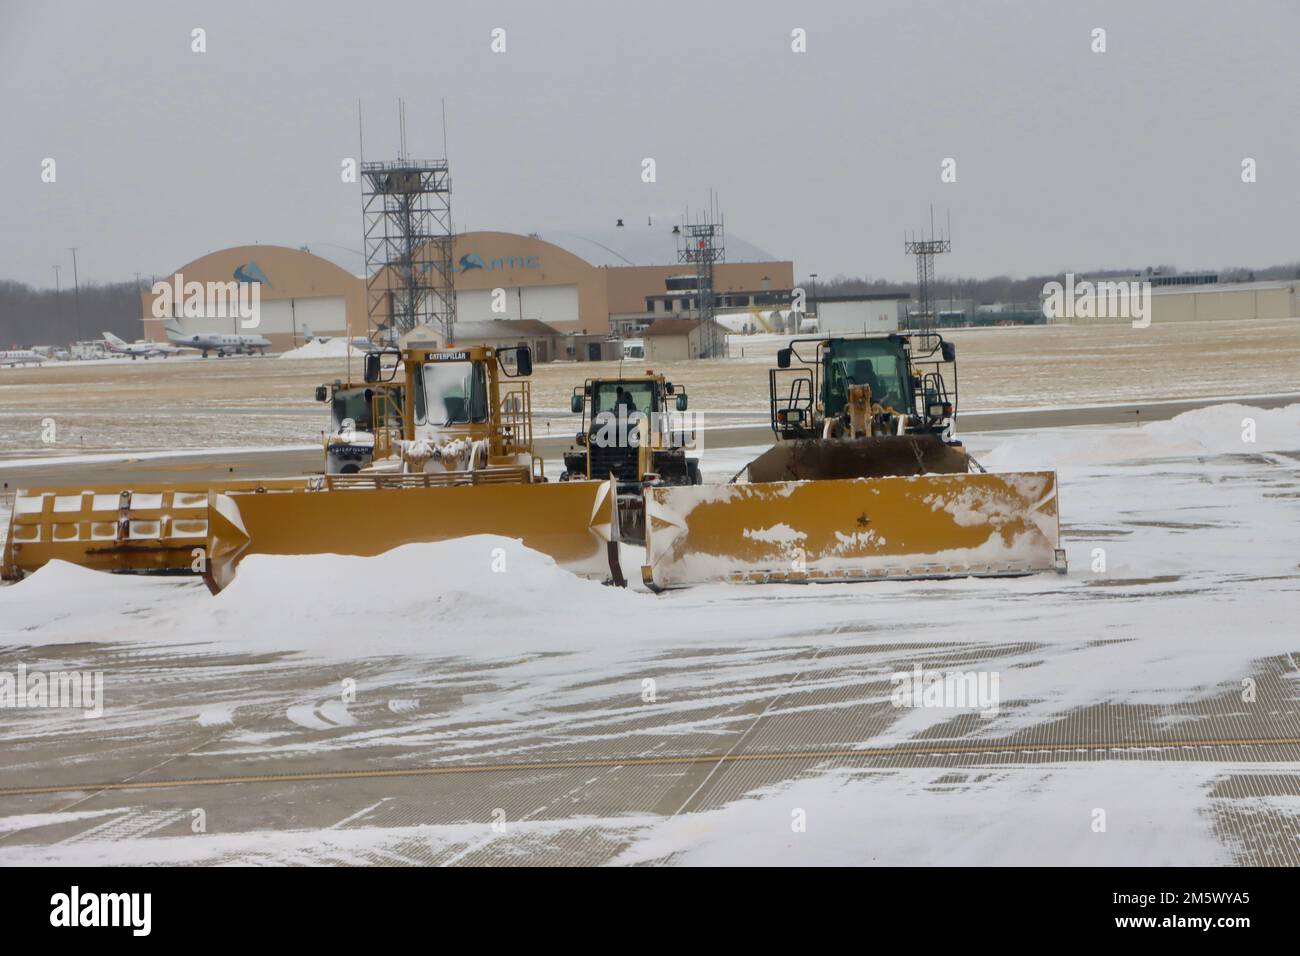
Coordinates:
(547,343)
(503,333)
(588,347)
(675,340)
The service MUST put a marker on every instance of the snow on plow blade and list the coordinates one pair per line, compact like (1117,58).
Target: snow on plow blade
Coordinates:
(208,529)
(574,522)
(929,526)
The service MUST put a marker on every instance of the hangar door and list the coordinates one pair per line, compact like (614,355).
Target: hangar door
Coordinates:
(324,315)
(546,303)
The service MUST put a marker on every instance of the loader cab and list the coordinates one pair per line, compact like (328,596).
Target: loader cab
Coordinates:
(362,416)
(476,393)
(881,363)
(912,381)
(631,429)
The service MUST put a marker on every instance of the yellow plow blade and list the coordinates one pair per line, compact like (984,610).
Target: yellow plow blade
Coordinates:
(146,528)
(575,522)
(928,526)
(208,529)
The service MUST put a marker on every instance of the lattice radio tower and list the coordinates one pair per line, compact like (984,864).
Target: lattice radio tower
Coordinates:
(925,250)
(701,243)
(408,234)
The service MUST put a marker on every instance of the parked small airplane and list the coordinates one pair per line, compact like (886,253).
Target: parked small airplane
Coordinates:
(21,357)
(384,339)
(221,343)
(140,349)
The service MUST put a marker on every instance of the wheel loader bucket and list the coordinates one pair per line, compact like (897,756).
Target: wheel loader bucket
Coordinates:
(575,522)
(929,526)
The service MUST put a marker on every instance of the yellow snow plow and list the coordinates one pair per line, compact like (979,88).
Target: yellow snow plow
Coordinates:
(866,480)
(459,462)
(856,529)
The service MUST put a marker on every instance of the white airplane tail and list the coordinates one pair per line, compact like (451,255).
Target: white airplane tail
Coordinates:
(112,339)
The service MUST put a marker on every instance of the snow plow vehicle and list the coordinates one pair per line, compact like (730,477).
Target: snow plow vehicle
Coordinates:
(457,462)
(350,444)
(865,481)
(634,431)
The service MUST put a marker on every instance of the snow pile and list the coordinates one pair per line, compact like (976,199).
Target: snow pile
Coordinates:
(334,348)
(1232,429)
(481,595)
(1216,430)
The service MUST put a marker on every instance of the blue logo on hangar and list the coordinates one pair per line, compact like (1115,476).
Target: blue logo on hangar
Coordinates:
(250,272)
(472,260)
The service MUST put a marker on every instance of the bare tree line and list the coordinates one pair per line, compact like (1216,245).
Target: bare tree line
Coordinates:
(1019,290)
(31,316)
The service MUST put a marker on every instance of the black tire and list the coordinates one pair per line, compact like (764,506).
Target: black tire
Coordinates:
(693,471)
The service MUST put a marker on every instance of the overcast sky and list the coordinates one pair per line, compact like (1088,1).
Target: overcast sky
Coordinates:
(1066,159)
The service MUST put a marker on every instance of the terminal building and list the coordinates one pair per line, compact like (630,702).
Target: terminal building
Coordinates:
(1194,297)
(571,291)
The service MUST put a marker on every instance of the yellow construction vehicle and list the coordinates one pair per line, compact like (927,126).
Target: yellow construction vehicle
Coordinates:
(862,406)
(866,480)
(350,444)
(634,431)
(458,461)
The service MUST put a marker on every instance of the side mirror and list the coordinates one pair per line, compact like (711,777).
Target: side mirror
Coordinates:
(372,367)
(783,358)
(322,393)
(575,404)
(524,362)
(949,350)
(681,403)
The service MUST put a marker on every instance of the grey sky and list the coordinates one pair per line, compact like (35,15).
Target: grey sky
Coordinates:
(1066,159)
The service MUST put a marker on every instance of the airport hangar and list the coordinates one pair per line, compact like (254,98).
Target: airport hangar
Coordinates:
(585,288)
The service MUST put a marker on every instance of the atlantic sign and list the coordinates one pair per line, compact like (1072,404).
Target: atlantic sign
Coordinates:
(472,260)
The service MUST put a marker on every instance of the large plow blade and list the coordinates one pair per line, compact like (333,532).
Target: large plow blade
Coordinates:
(148,528)
(930,526)
(209,529)
(574,522)
(875,457)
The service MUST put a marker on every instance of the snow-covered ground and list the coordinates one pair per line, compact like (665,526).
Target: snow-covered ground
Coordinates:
(1183,590)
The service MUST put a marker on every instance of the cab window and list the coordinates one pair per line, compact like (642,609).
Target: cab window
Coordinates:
(454,393)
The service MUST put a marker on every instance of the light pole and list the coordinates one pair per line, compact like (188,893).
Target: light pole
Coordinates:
(813,276)
(58,314)
(76,294)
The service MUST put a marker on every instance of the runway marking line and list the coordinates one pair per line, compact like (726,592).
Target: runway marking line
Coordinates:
(936,750)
